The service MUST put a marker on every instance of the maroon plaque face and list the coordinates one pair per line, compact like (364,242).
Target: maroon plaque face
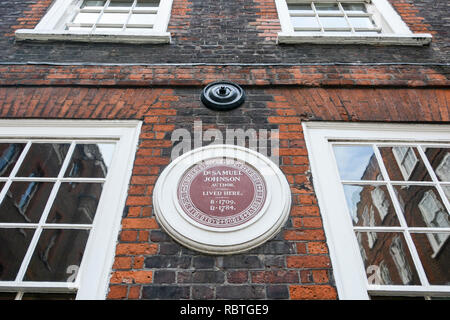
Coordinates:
(222,192)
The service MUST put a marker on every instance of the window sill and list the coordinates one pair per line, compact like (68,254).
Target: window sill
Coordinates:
(387,39)
(122,37)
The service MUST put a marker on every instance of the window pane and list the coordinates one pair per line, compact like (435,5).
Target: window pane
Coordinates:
(9,153)
(370,206)
(388,261)
(333,22)
(113,18)
(90,160)
(86,17)
(326,7)
(357,163)
(361,22)
(403,163)
(145,4)
(57,256)
(447,191)
(25,202)
(122,4)
(305,22)
(439,159)
(422,206)
(43,160)
(435,260)
(49,296)
(354,7)
(14,245)
(93,4)
(300,8)
(75,203)
(142,19)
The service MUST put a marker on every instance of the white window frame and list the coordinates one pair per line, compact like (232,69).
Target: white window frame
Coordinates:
(93,276)
(394,30)
(51,27)
(348,267)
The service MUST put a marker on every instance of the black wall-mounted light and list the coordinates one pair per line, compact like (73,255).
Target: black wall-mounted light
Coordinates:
(223,95)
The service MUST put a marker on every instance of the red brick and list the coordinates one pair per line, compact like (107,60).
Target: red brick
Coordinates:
(117,292)
(278,276)
(139,223)
(307,234)
(310,292)
(320,276)
(138,201)
(317,247)
(309,261)
(128,235)
(305,211)
(136,248)
(237,276)
(134,292)
(283,120)
(312,222)
(131,277)
(122,263)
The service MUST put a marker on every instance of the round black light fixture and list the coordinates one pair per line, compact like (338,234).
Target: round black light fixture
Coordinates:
(223,95)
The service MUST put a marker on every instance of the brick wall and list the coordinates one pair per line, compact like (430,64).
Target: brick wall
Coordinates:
(211,31)
(144,76)
(293,265)
(285,84)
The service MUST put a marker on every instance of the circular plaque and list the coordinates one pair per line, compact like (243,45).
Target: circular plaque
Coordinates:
(221,199)
(222,193)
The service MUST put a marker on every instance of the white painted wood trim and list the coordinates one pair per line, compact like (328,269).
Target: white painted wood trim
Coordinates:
(94,273)
(64,35)
(387,39)
(396,31)
(348,268)
(49,28)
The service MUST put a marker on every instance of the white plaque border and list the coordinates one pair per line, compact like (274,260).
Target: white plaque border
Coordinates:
(264,226)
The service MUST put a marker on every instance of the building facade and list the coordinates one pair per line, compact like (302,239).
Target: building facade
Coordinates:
(349,99)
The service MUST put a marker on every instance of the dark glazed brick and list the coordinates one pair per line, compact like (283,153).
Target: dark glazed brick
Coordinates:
(201,277)
(159,236)
(202,292)
(165,292)
(237,276)
(182,262)
(169,248)
(203,262)
(272,261)
(240,292)
(277,292)
(242,261)
(163,276)
(275,247)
